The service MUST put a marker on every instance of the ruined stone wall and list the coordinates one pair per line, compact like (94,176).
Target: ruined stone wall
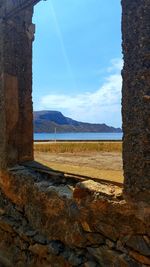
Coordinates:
(136,98)
(59,221)
(16,88)
(2,105)
(51,220)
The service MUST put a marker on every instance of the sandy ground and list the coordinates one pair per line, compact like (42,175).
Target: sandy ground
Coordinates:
(102,165)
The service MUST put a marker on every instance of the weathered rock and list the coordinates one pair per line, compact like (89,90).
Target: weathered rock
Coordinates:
(139,244)
(86,227)
(76,231)
(95,238)
(6,224)
(110,244)
(40,250)
(90,264)
(135,99)
(120,246)
(75,260)
(55,247)
(16,130)
(101,189)
(147,240)
(140,258)
(40,239)
(62,191)
(107,257)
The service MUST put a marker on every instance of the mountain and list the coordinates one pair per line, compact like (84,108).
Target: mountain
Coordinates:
(47,121)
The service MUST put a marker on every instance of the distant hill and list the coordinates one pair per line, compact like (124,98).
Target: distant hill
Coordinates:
(46,122)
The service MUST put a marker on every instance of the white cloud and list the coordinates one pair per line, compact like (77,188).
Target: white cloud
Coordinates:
(116,65)
(101,106)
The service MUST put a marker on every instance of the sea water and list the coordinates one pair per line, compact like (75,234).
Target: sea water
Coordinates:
(78,136)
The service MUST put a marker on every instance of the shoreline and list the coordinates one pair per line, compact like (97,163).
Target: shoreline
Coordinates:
(76,141)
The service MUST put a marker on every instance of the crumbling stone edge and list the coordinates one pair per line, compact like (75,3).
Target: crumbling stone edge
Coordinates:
(47,220)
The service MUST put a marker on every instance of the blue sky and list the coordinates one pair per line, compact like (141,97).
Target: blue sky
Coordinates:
(77,59)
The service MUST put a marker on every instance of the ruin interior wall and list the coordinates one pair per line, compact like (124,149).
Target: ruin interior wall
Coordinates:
(136,98)
(16,88)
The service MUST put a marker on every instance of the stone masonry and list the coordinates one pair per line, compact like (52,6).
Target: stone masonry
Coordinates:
(136,98)
(51,219)
(16,36)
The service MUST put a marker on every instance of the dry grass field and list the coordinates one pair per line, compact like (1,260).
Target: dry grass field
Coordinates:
(73,147)
(95,160)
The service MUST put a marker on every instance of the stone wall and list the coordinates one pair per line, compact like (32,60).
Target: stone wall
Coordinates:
(16,131)
(53,220)
(136,98)
(60,221)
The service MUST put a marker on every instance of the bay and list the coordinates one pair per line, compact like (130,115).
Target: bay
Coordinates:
(77,136)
